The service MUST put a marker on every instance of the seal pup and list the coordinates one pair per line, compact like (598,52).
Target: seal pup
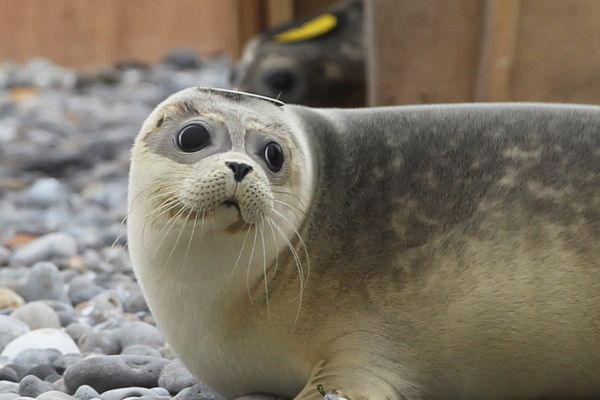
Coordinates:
(417,252)
(317,61)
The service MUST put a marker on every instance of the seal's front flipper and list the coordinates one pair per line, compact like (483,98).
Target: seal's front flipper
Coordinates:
(333,382)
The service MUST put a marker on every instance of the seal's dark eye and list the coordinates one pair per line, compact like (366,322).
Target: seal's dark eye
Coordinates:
(192,138)
(274,156)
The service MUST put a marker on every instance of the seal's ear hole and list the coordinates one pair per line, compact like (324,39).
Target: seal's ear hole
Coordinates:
(280,79)
(160,122)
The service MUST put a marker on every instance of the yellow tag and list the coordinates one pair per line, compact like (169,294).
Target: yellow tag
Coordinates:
(311,29)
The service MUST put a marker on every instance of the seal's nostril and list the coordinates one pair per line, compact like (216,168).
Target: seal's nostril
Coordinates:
(240,170)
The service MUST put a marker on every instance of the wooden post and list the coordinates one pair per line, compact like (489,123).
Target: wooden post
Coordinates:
(498,50)
(424,51)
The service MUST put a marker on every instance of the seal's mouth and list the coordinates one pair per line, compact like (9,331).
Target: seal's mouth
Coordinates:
(231,203)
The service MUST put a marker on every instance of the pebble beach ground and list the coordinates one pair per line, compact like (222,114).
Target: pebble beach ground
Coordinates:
(73,322)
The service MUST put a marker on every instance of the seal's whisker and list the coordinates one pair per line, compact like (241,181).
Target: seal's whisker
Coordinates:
(241,250)
(179,237)
(187,250)
(298,267)
(173,221)
(262,238)
(249,266)
(301,242)
(276,247)
(291,208)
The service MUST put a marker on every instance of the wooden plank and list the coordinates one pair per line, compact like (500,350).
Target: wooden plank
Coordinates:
(422,51)
(557,56)
(498,50)
(249,17)
(83,33)
(279,12)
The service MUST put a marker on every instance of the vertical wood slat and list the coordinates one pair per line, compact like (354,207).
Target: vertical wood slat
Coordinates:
(249,19)
(500,33)
(422,51)
(279,12)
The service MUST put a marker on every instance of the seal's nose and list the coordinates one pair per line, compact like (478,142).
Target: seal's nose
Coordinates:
(240,170)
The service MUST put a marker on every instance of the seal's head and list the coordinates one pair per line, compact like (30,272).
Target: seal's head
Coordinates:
(231,155)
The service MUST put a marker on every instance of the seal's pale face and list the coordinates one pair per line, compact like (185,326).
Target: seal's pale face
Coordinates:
(231,164)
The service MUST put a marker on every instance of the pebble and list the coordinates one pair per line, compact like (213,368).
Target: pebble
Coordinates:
(10,396)
(65,361)
(86,392)
(45,283)
(9,299)
(98,341)
(10,329)
(141,350)
(197,392)
(123,393)
(30,358)
(4,255)
(77,329)
(46,192)
(54,395)
(45,338)
(8,374)
(47,247)
(9,387)
(37,315)
(42,371)
(112,372)
(82,288)
(138,333)
(33,386)
(175,377)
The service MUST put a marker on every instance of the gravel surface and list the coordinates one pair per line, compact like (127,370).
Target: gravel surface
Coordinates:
(73,322)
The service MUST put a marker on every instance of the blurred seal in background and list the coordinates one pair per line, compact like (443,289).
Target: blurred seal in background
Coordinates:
(316,61)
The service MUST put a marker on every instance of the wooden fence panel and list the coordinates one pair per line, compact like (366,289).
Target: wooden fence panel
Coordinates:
(89,32)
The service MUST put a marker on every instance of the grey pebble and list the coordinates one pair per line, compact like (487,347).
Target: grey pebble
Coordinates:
(44,283)
(4,255)
(103,306)
(137,332)
(8,374)
(77,329)
(82,288)
(98,341)
(141,350)
(175,377)
(11,328)
(54,395)
(46,192)
(14,277)
(65,311)
(42,371)
(123,393)
(10,396)
(19,369)
(37,315)
(197,392)
(33,386)
(30,358)
(45,248)
(9,387)
(85,392)
(65,361)
(159,391)
(112,372)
